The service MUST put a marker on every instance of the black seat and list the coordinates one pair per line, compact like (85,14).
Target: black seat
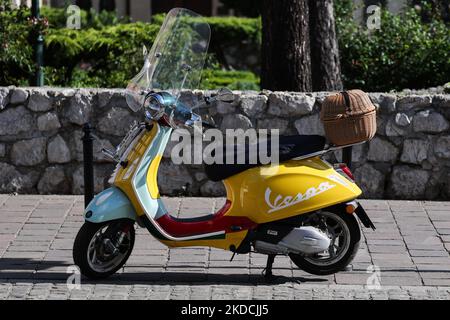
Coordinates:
(289,147)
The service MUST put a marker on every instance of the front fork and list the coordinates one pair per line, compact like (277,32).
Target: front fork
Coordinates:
(115,239)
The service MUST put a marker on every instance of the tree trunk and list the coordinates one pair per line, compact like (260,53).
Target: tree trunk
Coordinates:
(108,5)
(325,64)
(84,4)
(285,54)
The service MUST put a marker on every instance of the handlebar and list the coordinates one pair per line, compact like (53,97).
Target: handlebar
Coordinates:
(176,113)
(185,116)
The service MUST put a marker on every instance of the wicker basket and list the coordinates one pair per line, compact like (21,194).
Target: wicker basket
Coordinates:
(348,117)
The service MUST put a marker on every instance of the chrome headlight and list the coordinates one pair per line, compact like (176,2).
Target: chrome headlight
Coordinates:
(154,106)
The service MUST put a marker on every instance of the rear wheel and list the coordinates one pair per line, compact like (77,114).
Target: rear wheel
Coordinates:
(343,230)
(100,249)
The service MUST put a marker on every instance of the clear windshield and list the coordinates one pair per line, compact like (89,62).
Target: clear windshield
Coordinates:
(176,59)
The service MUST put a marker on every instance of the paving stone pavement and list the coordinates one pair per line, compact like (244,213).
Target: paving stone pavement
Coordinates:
(408,254)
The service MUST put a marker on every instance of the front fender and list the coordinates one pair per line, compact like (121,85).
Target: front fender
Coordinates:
(110,204)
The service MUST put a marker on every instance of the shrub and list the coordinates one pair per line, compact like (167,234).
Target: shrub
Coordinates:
(228,29)
(234,80)
(57,18)
(15,54)
(107,57)
(404,53)
(229,32)
(110,56)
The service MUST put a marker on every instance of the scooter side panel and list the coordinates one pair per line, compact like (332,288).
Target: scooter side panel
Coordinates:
(270,193)
(139,182)
(233,239)
(144,181)
(138,179)
(110,204)
(124,176)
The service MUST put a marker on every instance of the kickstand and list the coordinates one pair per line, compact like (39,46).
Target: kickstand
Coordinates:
(268,269)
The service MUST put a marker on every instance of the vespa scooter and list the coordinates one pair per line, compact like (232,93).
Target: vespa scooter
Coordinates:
(302,206)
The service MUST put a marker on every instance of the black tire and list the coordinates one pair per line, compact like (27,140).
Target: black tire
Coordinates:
(83,239)
(355,236)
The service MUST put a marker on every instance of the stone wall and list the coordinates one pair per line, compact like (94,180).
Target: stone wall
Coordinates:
(41,148)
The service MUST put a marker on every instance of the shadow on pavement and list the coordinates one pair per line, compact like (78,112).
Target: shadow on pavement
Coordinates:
(21,270)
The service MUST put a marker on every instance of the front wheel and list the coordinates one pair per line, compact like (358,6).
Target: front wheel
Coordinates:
(100,249)
(343,230)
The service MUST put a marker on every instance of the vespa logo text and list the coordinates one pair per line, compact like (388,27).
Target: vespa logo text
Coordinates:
(281,202)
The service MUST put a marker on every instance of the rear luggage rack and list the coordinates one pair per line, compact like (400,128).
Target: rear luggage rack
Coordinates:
(328,148)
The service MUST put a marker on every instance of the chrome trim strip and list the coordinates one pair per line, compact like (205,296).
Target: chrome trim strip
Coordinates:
(329,148)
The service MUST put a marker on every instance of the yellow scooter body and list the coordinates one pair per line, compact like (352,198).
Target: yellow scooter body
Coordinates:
(262,194)
(270,193)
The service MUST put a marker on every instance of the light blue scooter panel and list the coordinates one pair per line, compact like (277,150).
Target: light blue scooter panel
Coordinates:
(110,204)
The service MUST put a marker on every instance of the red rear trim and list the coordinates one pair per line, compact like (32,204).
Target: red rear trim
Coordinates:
(218,222)
(347,171)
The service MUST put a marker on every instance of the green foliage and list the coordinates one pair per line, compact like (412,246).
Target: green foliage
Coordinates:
(343,9)
(404,53)
(57,18)
(432,9)
(234,80)
(15,55)
(228,29)
(227,32)
(111,56)
(234,29)
(104,52)
(107,57)
(447,87)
